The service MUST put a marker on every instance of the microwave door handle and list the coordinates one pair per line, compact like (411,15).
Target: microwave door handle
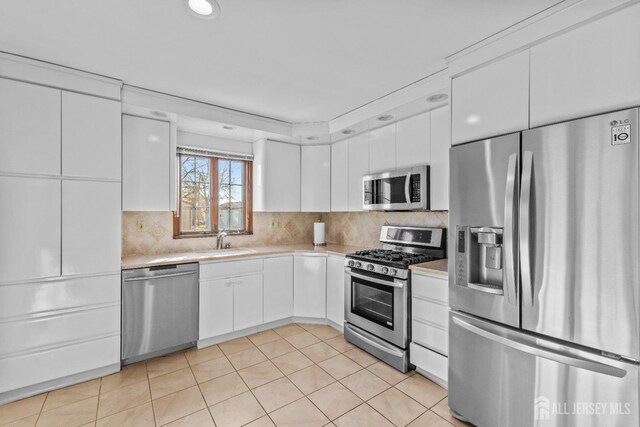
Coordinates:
(407,187)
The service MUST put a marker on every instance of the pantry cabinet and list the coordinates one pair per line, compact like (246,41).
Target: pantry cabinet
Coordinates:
(315,178)
(276,176)
(310,284)
(491,100)
(340,176)
(358,148)
(278,288)
(589,70)
(147,161)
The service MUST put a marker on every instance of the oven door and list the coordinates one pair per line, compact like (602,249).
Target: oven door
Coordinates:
(378,305)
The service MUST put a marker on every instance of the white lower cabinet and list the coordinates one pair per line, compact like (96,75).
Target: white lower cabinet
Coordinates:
(216,307)
(430,325)
(278,288)
(335,289)
(310,283)
(247,301)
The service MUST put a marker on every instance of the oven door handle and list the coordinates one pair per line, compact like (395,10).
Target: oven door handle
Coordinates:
(393,284)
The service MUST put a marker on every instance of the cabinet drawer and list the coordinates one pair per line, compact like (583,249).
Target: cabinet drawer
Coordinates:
(230,268)
(430,311)
(429,361)
(430,288)
(430,336)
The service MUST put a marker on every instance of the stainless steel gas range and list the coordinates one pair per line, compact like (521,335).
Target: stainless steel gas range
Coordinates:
(378,290)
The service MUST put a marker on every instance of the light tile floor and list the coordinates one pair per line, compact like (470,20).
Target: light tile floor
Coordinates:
(294,375)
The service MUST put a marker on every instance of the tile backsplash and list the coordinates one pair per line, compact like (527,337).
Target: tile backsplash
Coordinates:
(145,233)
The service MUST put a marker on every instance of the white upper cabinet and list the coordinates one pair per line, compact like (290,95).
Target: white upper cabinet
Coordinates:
(590,70)
(91,136)
(276,177)
(91,236)
(492,100)
(316,176)
(358,167)
(147,162)
(278,288)
(413,141)
(30,228)
(439,169)
(340,177)
(29,128)
(382,149)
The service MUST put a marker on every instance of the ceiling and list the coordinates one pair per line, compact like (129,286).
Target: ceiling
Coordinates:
(294,60)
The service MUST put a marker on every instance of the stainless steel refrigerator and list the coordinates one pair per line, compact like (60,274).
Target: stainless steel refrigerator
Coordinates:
(544,253)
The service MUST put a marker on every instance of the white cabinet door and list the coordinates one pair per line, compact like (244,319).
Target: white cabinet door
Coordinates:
(340,177)
(91,136)
(382,149)
(439,169)
(492,100)
(91,236)
(316,177)
(335,289)
(216,307)
(30,228)
(592,69)
(29,128)
(278,288)
(146,164)
(247,301)
(276,171)
(310,283)
(358,167)
(413,141)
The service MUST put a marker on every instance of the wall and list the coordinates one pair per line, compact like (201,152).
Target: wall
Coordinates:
(190,139)
(350,228)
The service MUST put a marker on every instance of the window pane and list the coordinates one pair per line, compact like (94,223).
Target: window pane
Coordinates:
(235,195)
(236,173)
(236,219)
(223,223)
(224,172)
(195,194)
(202,169)
(188,168)
(223,196)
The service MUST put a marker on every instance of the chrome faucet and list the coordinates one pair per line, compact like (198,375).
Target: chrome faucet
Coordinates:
(220,242)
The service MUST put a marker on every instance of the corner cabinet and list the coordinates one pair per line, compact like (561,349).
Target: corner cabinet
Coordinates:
(335,290)
(276,176)
(148,159)
(278,288)
(315,178)
(491,100)
(310,284)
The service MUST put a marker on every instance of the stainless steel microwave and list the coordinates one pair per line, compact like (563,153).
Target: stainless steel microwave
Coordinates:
(398,190)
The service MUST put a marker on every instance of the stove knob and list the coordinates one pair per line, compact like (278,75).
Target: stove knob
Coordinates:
(393,271)
(371,267)
(385,270)
(358,264)
(350,264)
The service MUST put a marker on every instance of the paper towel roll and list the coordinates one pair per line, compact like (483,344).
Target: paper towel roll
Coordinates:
(318,234)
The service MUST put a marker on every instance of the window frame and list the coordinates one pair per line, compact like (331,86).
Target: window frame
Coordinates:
(247,205)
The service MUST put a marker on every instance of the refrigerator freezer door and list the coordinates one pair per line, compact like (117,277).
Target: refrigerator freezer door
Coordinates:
(483,228)
(516,379)
(579,232)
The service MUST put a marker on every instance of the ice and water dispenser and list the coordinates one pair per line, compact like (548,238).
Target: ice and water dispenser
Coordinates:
(479,258)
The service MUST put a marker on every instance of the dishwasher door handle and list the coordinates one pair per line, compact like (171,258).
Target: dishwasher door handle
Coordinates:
(162,276)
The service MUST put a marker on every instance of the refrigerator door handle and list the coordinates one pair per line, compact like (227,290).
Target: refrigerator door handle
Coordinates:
(525,228)
(509,219)
(528,345)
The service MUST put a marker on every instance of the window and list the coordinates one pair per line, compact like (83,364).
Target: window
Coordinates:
(214,195)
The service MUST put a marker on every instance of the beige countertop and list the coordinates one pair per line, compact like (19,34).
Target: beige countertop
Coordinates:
(144,261)
(440,267)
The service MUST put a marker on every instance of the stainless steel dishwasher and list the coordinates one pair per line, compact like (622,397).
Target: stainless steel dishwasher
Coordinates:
(159,310)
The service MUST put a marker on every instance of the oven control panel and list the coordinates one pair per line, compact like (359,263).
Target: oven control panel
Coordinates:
(377,268)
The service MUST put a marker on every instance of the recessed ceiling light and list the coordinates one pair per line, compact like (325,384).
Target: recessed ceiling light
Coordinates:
(385,118)
(159,114)
(313,138)
(209,9)
(348,132)
(228,127)
(438,97)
